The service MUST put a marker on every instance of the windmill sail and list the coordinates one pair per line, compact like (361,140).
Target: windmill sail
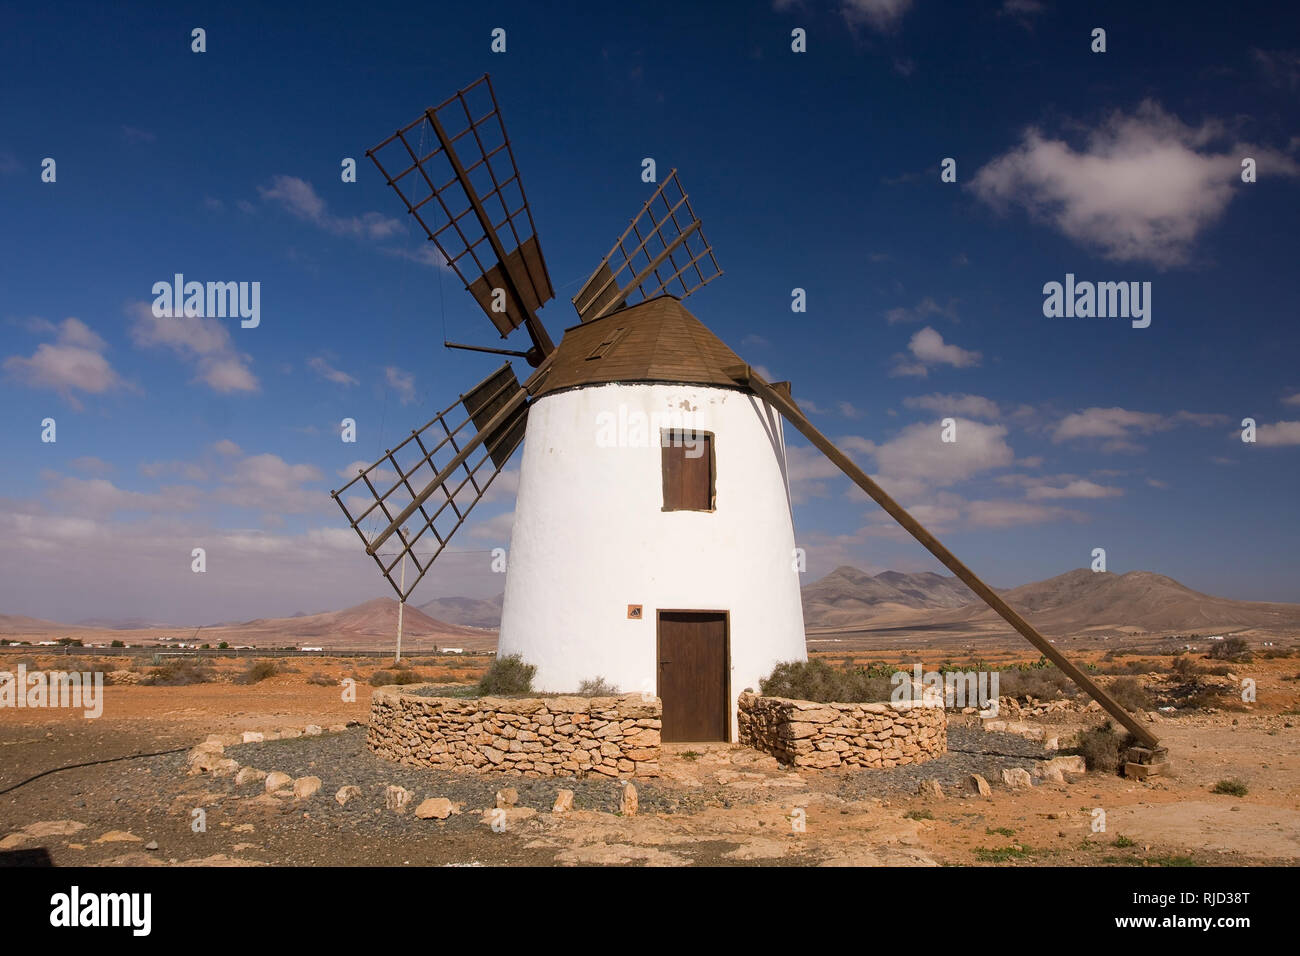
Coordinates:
(780,399)
(663,250)
(456,159)
(422,490)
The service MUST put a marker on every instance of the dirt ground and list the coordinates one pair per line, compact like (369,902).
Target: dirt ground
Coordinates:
(714,804)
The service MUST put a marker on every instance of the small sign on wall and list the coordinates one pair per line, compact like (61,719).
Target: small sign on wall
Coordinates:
(634,612)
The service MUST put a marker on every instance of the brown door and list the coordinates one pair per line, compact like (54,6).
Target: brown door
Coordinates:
(694,675)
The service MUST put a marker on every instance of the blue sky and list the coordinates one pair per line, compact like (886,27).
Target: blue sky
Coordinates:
(818,170)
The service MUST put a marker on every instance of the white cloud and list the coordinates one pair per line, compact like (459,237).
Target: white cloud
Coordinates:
(1141,189)
(881,15)
(807,470)
(1006,514)
(73,362)
(268,483)
(1079,488)
(328,372)
(928,348)
(921,311)
(1292,399)
(101,498)
(972,406)
(299,198)
(919,453)
(1109,423)
(91,465)
(226,447)
(1120,425)
(1276,435)
(205,341)
(401,382)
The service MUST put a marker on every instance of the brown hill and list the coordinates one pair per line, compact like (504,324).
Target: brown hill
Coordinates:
(470,612)
(848,595)
(1076,601)
(372,624)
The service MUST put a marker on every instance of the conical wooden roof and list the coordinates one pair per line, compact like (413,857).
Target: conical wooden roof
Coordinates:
(653,341)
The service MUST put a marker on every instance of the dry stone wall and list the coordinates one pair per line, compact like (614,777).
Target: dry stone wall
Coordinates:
(807,734)
(535,736)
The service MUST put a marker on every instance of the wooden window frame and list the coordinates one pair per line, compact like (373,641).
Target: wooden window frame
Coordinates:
(665,435)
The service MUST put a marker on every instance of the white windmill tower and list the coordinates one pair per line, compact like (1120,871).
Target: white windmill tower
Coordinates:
(653,543)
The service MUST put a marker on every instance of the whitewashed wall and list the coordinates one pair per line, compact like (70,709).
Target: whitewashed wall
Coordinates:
(590,537)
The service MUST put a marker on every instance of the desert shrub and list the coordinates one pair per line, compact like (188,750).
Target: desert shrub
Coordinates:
(399,675)
(1043,683)
(117,644)
(1101,747)
(1128,668)
(258,671)
(1232,787)
(817,681)
(1129,694)
(320,680)
(179,673)
(1231,649)
(507,675)
(1271,653)
(597,687)
(1184,666)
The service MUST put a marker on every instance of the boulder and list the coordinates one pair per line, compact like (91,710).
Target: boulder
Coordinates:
(1017,778)
(275,780)
(435,808)
(305,787)
(563,802)
(978,785)
(396,798)
(249,775)
(253,736)
(507,797)
(930,788)
(346,793)
(627,801)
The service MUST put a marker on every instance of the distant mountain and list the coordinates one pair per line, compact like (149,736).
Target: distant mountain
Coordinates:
(848,595)
(1082,598)
(1067,603)
(121,623)
(372,624)
(471,612)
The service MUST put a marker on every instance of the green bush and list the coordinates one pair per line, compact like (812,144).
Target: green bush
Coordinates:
(507,675)
(1043,683)
(816,680)
(257,672)
(180,673)
(1232,787)
(1129,694)
(1102,747)
(1231,649)
(597,687)
(400,675)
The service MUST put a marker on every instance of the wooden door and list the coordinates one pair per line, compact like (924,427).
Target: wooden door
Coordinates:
(694,675)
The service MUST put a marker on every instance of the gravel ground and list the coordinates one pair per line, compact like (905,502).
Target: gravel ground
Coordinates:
(970,750)
(154,799)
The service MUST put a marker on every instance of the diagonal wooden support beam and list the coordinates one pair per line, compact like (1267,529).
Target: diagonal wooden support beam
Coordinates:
(744,375)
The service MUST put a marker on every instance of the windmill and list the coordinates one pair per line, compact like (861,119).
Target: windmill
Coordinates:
(653,539)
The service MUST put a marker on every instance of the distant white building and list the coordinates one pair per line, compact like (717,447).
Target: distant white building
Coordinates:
(311,648)
(453,650)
